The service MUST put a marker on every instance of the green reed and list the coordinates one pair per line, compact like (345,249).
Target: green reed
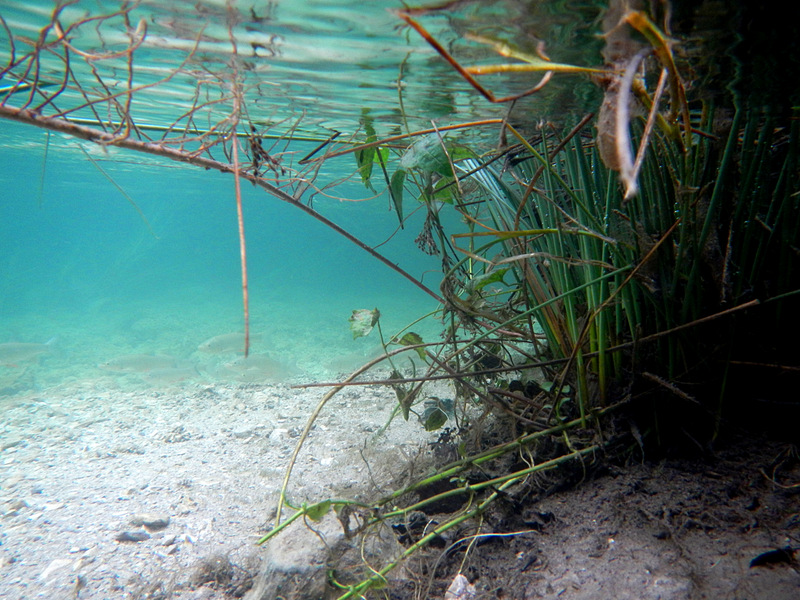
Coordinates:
(599,273)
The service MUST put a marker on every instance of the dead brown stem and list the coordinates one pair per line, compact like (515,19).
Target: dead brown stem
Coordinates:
(465,73)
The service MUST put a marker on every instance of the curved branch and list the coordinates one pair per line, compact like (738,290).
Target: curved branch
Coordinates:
(103,138)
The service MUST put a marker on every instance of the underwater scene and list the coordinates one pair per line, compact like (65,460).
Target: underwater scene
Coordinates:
(118,266)
(119,269)
(338,300)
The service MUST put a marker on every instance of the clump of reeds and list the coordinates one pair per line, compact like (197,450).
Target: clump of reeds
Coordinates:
(614,291)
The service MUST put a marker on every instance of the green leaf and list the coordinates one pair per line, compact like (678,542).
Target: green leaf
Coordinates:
(427,155)
(481,281)
(460,152)
(412,339)
(396,191)
(362,321)
(315,512)
(365,159)
(434,418)
(383,152)
(462,449)
(436,413)
(444,191)
(404,396)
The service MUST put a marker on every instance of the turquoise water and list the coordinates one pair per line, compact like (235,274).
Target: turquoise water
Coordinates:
(80,264)
(115,253)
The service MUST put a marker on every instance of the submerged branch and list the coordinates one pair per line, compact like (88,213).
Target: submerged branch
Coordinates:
(103,138)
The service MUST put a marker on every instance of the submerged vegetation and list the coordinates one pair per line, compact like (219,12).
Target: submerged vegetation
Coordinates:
(632,259)
(586,277)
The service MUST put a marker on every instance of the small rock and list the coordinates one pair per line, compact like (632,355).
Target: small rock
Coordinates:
(11,442)
(278,434)
(243,432)
(150,521)
(14,507)
(55,565)
(132,536)
(13,480)
(460,589)
(296,563)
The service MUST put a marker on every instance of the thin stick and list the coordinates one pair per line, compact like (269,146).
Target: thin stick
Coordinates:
(648,128)
(44,168)
(242,245)
(121,191)
(465,73)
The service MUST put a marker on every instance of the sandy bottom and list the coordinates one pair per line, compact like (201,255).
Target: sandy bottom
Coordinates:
(128,412)
(129,483)
(82,465)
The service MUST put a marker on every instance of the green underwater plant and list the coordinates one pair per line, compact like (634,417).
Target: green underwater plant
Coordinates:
(585,278)
(608,279)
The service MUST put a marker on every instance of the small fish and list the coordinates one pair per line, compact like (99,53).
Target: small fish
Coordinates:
(139,363)
(12,353)
(227,342)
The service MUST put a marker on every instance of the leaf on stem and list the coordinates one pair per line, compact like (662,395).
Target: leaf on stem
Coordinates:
(436,413)
(412,339)
(315,512)
(481,281)
(396,191)
(362,321)
(427,155)
(365,157)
